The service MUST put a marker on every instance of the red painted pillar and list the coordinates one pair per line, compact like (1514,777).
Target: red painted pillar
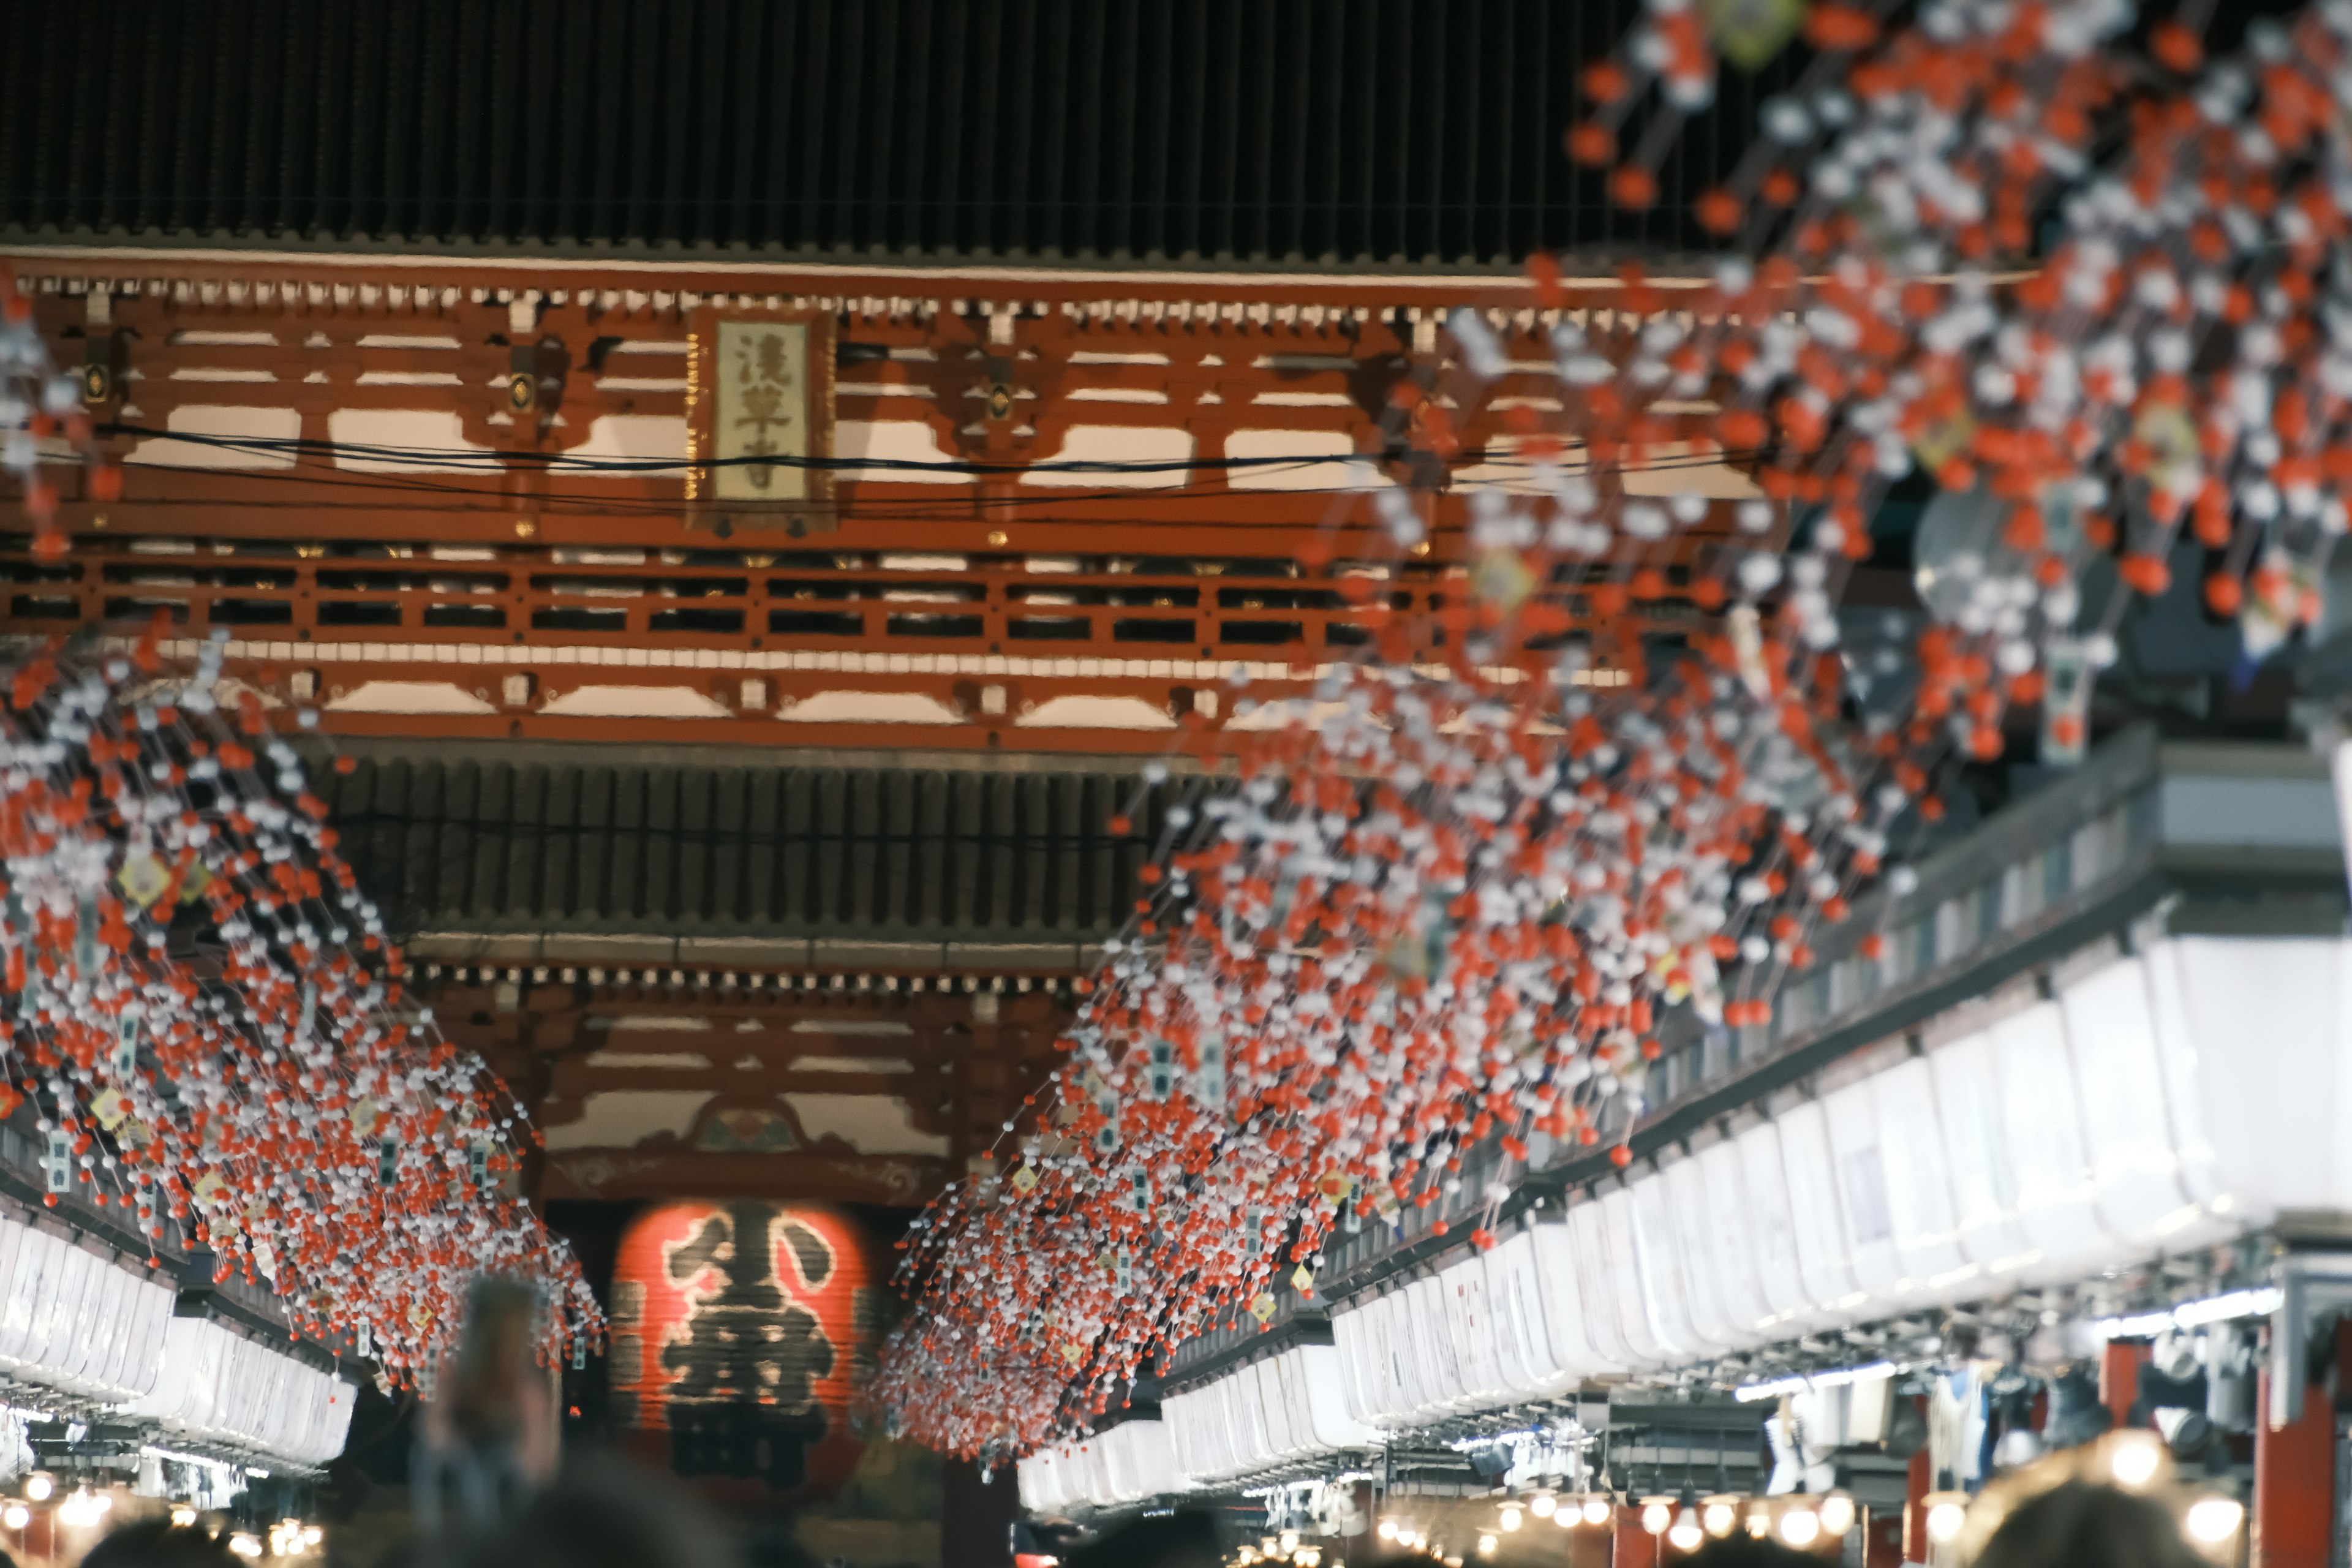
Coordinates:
(1882,1537)
(2294,1483)
(1632,1546)
(1915,1487)
(1589,1547)
(2119,1367)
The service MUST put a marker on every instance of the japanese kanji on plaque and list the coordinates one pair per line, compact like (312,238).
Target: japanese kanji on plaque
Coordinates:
(762,383)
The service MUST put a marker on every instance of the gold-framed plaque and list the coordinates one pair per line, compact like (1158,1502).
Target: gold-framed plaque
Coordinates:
(761,416)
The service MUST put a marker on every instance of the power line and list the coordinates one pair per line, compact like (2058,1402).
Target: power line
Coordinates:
(943,509)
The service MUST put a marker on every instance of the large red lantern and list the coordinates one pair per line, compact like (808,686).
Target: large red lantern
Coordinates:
(739,1331)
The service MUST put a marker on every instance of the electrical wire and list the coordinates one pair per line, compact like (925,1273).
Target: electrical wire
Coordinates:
(504,461)
(944,509)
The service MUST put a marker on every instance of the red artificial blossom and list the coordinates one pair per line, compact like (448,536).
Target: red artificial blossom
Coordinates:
(1452,897)
(217,1033)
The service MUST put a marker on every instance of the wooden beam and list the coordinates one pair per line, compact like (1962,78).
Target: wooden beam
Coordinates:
(971,1063)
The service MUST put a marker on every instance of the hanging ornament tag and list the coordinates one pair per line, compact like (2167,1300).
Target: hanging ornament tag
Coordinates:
(1024,1180)
(1749,33)
(579,1352)
(365,1340)
(126,1039)
(110,1107)
(387,1165)
(1209,1081)
(60,1162)
(1262,1306)
(2286,588)
(480,1156)
(1502,579)
(143,878)
(208,1187)
(85,938)
(2066,703)
(364,1115)
(1746,634)
(2175,456)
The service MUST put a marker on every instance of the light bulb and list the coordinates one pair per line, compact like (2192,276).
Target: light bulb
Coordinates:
(1288,1542)
(38,1487)
(2214,1520)
(1759,1524)
(1944,1521)
(15,1516)
(1799,1527)
(1509,1518)
(1656,1516)
(2134,1459)
(244,1545)
(1685,1535)
(1487,1544)
(1388,1530)
(1837,1514)
(1597,1509)
(1718,1519)
(1543,1505)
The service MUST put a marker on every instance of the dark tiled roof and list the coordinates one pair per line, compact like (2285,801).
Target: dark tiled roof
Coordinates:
(515,837)
(1376,131)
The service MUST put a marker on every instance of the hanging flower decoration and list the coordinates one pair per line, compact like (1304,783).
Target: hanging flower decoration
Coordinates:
(214,1031)
(42,418)
(2095,292)
(203,1009)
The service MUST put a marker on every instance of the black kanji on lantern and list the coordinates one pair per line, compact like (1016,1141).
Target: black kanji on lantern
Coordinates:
(744,1402)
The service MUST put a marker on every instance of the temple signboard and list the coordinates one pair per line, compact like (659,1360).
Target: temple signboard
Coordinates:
(761,417)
